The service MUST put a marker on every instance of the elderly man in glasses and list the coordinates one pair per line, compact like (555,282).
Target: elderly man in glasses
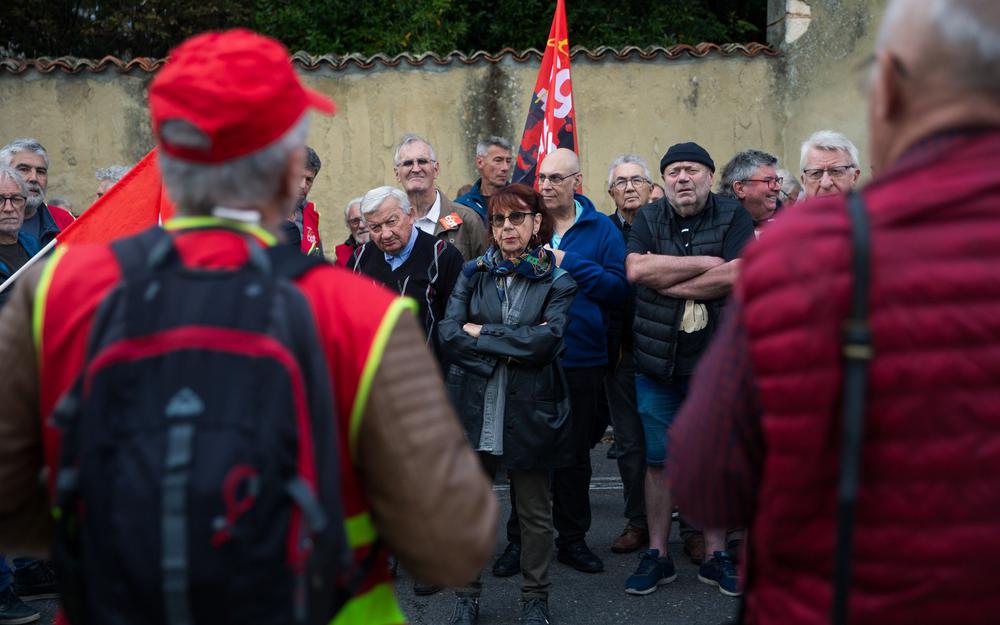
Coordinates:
(751,177)
(830,164)
(416,168)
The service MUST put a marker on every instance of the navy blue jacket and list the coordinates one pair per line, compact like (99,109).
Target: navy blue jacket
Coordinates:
(31,246)
(474,199)
(595,258)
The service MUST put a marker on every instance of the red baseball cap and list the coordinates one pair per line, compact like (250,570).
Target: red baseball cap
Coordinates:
(237,87)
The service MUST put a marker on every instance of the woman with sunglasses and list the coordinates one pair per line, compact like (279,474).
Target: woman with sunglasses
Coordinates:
(503,334)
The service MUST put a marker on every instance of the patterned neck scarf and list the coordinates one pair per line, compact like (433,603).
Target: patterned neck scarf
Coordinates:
(532,264)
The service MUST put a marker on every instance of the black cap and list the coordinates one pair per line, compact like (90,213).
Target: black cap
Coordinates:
(689,151)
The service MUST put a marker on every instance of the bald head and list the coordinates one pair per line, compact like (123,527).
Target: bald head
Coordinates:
(558,176)
(935,70)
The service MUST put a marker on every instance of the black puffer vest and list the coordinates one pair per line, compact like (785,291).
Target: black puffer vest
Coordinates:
(658,317)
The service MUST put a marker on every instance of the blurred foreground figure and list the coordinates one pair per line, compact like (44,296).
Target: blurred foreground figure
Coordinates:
(759,440)
(326,403)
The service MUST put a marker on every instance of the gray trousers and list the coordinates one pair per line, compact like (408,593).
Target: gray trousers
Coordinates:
(629,439)
(534,510)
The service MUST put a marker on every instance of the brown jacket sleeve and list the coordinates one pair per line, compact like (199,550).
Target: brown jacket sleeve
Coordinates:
(25,522)
(431,501)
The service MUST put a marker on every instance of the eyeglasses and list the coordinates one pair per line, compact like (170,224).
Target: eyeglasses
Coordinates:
(838,172)
(771,182)
(408,163)
(389,223)
(354,222)
(516,218)
(554,178)
(17,201)
(622,183)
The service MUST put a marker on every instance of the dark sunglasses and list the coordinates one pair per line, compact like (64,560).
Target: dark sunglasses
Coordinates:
(516,218)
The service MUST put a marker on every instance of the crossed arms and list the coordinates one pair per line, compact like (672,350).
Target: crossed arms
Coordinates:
(683,277)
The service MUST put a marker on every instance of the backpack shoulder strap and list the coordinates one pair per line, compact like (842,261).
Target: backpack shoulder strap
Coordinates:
(289,263)
(133,253)
(857,351)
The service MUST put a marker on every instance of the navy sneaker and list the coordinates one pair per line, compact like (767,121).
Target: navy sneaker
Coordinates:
(13,611)
(720,571)
(652,572)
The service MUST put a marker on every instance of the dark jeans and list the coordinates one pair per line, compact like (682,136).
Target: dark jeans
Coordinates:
(629,439)
(571,485)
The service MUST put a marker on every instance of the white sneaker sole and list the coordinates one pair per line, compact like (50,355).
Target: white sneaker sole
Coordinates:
(712,582)
(640,592)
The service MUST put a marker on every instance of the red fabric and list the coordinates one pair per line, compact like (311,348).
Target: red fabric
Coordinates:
(239,88)
(926,539)
(551,122)
(132,205)
(347,326)
(310,228)
(61,216)
(343,253)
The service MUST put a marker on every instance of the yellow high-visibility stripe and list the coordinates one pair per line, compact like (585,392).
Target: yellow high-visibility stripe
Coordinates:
(41,295)
(360,530)
(376,607)
(372,362)
(207,221)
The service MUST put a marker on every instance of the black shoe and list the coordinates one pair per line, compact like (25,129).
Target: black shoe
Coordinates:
(13,611)
(580,557)
(466,611)
(425,590)
(509,562)
(35,581)
(535,612)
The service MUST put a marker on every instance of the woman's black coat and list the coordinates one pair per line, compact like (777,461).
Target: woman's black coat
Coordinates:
(537,428)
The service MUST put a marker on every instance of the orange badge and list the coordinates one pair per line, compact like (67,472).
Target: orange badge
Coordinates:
(450,222)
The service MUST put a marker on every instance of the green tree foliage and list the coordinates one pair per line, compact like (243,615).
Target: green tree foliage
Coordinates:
(95,28)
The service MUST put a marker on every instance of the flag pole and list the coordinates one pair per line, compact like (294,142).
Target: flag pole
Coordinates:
(31,261)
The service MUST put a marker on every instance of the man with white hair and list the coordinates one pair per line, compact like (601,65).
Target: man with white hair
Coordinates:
(107,177)
(358,229)
(493,161)
(751,178)
(406,259)
(29,158)
(230,116)
(829,163)
(762,439)
(416,168)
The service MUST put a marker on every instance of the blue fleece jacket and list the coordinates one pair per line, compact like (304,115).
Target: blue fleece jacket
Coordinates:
(475,199)
(595,258)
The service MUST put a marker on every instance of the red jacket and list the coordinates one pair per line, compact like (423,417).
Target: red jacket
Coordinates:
(61,216)
(927,537)
(310,229)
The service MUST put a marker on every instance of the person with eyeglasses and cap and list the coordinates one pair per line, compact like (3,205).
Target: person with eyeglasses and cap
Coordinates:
(587,245)
(830,164)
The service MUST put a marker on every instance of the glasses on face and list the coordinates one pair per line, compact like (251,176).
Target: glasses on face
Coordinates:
(622,183)
(516,218)
(838,172)
(771,182)
(554,178)
(354,222)
(17,200)
(389,223)
(408,163)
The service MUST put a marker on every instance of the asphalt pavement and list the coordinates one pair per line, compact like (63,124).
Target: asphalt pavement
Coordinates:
(577,598)
(581,598)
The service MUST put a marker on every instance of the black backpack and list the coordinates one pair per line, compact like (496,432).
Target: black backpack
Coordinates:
(199,474)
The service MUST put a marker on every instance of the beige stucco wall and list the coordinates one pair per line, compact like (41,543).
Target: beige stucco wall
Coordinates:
(725,103)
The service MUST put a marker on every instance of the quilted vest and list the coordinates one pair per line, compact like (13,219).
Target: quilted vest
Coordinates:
(657,317)
(927,534)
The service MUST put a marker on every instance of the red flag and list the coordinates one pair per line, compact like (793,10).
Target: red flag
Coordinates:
(551,119)
(134,203)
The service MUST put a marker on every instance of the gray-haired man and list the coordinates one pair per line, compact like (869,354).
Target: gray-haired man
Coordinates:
(493,160)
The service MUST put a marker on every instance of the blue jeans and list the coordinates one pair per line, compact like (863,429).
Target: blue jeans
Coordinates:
(658,405)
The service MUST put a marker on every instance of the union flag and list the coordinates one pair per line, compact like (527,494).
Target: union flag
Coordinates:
(551,119)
